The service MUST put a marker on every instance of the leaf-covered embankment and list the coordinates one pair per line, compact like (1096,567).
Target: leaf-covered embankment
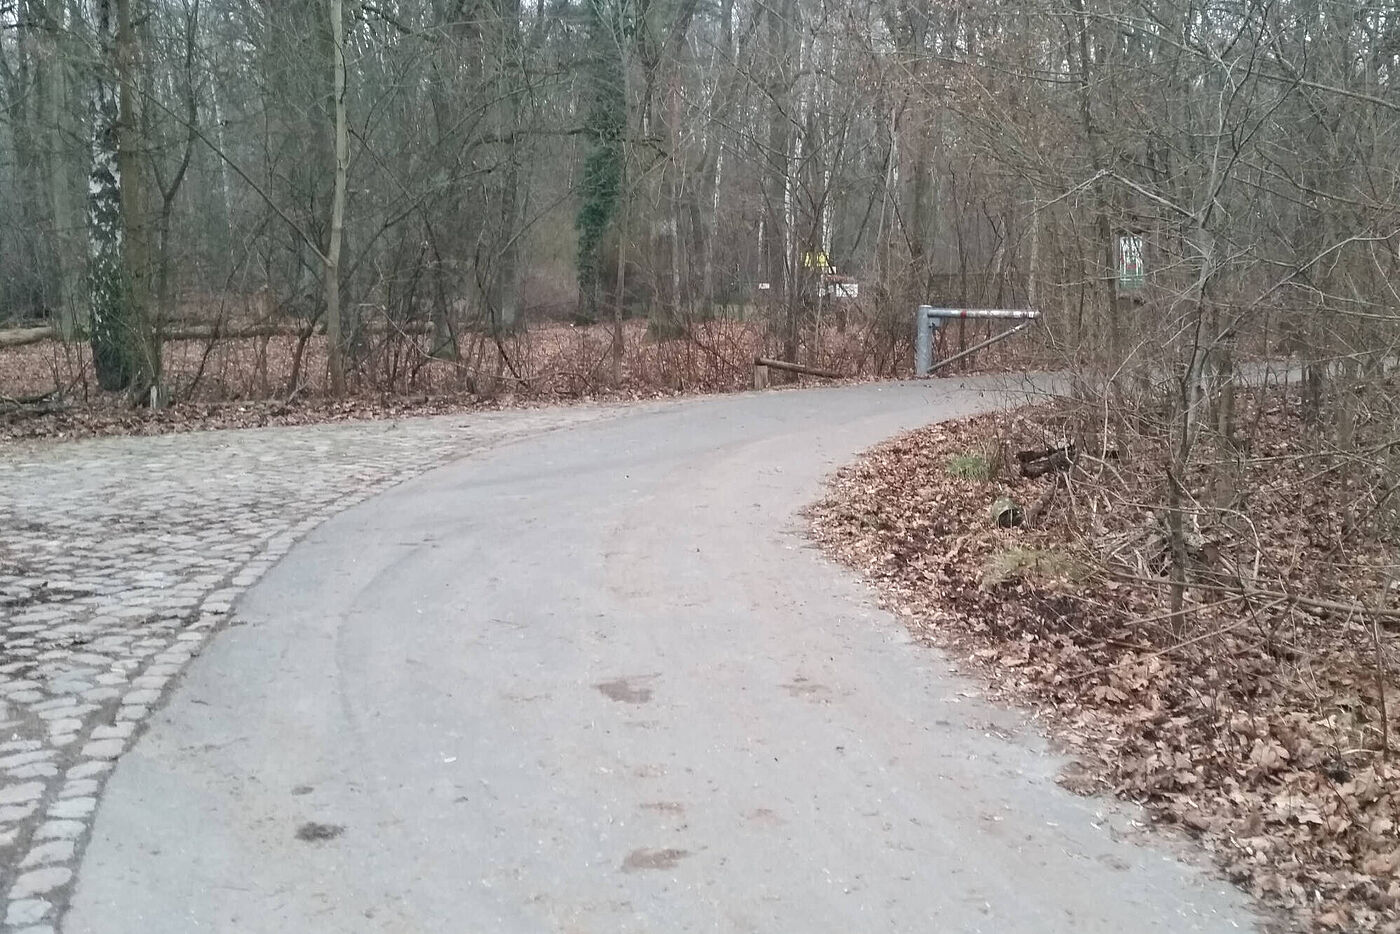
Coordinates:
(1259,715)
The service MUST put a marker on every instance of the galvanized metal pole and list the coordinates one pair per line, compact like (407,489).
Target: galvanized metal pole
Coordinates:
(923,341)
(981,313)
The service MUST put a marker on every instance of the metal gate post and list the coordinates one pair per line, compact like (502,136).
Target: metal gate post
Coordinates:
(923,340)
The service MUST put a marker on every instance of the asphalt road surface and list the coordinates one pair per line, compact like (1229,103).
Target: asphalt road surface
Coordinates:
(596,680)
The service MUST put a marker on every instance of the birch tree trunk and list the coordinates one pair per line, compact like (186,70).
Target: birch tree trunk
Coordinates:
(107,308)
(126,350)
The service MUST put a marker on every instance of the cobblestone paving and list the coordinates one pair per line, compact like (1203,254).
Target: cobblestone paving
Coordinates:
(119,558)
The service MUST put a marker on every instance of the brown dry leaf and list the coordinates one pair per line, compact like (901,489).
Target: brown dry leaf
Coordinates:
(1268,755)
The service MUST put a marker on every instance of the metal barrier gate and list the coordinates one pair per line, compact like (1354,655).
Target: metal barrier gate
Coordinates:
(927,321)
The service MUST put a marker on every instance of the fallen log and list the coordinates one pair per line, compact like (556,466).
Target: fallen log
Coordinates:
(20,337)
(795,368)
(17,408)
(203,332)
(36,398)
(1039,463)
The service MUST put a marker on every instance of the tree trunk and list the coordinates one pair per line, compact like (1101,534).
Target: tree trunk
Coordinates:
(126,354)
(334,339)
(777,184)
(600,189)
(503,296)
(28,287)
(65,209)
(136,214)
(1033,259)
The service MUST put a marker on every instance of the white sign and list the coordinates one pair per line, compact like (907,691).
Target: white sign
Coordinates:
(1132,268)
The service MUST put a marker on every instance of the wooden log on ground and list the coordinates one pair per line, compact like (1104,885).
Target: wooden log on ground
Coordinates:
(13,409)
(795,368)
(19,337)
(1040,463)
(35,399)
(203,332)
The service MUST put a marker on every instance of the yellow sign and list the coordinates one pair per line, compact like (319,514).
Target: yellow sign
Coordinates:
(816,259)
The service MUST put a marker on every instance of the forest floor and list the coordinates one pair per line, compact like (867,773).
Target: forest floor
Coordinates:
(1260,720)
(48,390)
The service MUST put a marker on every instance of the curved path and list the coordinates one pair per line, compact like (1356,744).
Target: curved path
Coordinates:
(597,681)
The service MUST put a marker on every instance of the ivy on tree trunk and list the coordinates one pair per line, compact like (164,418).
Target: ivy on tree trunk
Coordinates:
(601,185)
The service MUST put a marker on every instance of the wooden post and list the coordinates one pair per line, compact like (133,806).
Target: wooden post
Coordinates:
(760,376)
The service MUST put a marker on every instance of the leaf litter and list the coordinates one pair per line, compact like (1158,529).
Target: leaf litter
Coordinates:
(1254,720)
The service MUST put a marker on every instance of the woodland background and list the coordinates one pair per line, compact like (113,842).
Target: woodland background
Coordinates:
(398,183)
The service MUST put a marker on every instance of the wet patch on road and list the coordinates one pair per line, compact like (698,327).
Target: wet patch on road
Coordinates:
(644,859)
(801,687)
(765,817)
(312,832)
(632,690)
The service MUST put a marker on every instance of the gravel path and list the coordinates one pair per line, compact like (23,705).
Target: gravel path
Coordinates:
(120,557)
(594,681)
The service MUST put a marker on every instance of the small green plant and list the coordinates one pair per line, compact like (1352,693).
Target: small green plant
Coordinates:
(969,466)
(1018,562)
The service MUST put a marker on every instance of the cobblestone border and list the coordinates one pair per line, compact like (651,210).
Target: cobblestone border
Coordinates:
(119,559)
